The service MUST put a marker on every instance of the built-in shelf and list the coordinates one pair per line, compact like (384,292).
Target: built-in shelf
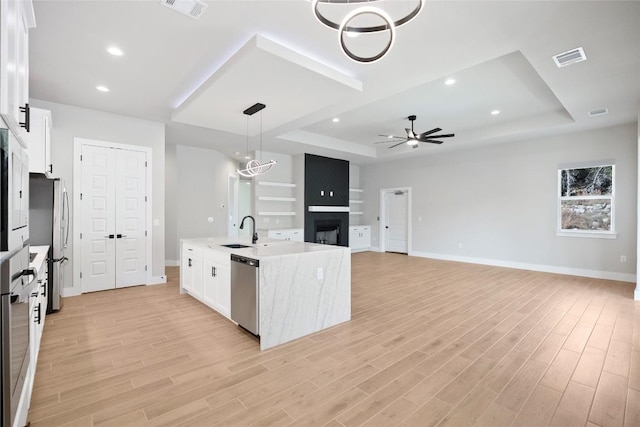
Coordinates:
(356,201)
(277,199)
(355,213)
(277,184)
(356,190)
(276,213)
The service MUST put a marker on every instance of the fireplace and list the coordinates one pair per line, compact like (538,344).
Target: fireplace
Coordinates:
(327,228)
(327,232)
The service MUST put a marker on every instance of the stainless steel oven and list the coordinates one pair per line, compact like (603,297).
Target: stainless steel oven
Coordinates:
(17,283)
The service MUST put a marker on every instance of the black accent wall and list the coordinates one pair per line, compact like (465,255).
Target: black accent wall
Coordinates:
(326,183)
(324,174)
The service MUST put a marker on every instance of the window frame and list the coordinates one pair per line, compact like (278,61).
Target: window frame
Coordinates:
(602,234)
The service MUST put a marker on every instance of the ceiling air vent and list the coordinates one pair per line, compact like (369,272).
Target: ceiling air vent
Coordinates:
(599,112)
(192,8)
(569,57)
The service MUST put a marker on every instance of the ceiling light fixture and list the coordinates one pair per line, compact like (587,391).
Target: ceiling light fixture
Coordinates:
(344,28)
(495,112)
(450,82)
(335,120)
(115,51)
(255,167)
(102,88)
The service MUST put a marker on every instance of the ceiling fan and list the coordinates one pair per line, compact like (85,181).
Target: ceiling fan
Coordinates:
(413,138)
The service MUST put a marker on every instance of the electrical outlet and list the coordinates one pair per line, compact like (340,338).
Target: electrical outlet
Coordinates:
(419,219)
(460,245)
(210,219)
(623,258)
(320,273)
(156,222)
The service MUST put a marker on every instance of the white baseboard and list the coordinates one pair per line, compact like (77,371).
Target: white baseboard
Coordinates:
(636,294)
(172,263)
(375,249)
(596,274)
(70,292)
(157,280)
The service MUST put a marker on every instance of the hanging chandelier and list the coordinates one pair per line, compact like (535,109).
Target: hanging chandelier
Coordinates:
(345,29)
(255,167)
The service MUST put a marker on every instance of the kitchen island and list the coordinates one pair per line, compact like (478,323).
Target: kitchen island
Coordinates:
(302,288)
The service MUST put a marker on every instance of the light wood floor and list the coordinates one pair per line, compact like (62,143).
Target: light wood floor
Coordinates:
(430,343)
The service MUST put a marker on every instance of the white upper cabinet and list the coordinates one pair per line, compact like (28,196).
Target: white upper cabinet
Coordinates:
(16,18)
(39,142)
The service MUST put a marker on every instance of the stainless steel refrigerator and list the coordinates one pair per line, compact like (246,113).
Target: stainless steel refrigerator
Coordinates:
(49,225)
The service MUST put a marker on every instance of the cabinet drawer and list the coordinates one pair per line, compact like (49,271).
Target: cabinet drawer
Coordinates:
(218,257)
(193,250)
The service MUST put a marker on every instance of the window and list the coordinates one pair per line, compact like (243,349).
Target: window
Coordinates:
(586,201)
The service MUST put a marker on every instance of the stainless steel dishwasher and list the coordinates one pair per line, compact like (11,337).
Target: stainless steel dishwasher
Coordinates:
(245,308)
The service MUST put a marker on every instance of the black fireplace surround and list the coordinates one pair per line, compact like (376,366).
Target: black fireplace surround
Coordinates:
(326,185)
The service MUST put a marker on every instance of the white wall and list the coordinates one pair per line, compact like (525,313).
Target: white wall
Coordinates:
(201,192)
(71,122)
(500,203)
(171,247)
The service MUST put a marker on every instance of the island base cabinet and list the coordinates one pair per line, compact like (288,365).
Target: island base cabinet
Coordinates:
(205,274)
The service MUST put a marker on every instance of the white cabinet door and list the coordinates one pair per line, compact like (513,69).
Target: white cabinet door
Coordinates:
(39,142)
(217,281)
(224,289)
(210,282)
(366,237)
(16,17)
(191,278)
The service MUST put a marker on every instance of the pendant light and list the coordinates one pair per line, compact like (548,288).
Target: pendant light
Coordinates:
(255,167)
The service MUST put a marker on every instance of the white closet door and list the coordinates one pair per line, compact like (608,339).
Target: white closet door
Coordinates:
(98,218)
(130,218)
(397,226)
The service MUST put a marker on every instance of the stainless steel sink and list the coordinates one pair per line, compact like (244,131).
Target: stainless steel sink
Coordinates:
(235,246)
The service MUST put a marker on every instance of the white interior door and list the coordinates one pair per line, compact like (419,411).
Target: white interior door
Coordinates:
(113,218)
(130,217)
(98,219)
(396,228)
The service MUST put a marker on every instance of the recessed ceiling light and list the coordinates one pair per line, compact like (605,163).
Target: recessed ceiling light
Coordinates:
(247,157)
(237,153)
(598,112)
(450,82)
(335,120)
(102,88)
(495,112)
(115,51)
(389,136)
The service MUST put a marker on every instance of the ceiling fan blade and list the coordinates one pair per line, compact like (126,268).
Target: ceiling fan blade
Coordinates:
(399,143)
(431,141)
(448,135)
(429,132)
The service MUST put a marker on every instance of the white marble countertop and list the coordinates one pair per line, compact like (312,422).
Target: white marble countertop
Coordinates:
(40,259)
(265,248)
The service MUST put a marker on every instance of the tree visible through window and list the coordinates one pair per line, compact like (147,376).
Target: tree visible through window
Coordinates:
(586,199)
